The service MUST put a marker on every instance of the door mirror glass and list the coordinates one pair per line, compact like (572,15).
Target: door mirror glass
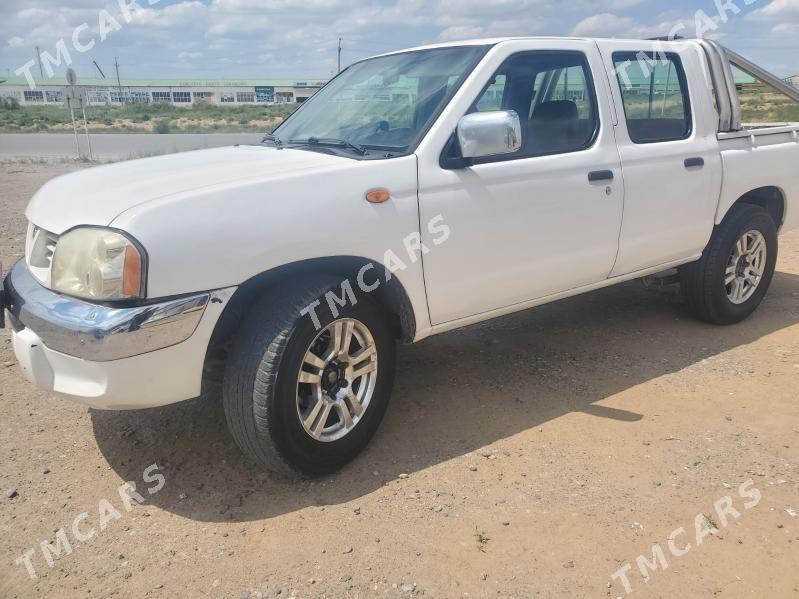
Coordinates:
(483,134)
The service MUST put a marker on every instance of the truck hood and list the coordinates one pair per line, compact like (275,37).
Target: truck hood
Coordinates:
(96,196)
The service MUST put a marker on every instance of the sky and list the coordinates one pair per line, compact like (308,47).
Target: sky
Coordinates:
(299,38)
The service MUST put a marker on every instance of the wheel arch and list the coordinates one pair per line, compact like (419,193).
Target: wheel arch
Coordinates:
(770,197)
(390,294)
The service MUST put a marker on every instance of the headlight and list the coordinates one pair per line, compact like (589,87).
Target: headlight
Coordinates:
(97,264)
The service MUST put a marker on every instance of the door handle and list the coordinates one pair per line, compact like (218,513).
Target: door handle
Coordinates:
(697,161)
(595,176)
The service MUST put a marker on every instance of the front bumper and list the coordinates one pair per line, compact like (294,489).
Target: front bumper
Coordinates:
(110,357)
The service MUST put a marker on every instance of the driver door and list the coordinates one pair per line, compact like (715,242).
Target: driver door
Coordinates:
(527,225)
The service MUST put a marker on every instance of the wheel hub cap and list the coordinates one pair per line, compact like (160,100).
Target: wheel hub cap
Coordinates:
(337,380)
(746,266)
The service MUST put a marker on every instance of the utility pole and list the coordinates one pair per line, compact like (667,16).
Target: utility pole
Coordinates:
(339,55)
(119,82)
(39,60)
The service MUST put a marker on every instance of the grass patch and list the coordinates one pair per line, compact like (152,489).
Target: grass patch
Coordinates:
(161,126)
(482,539)
(761,105)
(757,104)
(147,118)
(710,524)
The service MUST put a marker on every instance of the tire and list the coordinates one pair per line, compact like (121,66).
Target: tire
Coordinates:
(704,283)
(261,387)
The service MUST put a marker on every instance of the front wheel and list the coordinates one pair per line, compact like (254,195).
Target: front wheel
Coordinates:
(736,269)
(308,395)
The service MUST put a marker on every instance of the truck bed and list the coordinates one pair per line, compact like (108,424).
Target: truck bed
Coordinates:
(759,129)
(765,157)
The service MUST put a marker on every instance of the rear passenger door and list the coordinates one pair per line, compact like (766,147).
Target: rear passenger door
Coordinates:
(669,151)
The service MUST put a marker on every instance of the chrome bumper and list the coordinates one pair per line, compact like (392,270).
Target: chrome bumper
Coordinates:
(94,332)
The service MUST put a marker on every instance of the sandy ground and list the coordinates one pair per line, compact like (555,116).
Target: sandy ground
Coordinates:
(532,456)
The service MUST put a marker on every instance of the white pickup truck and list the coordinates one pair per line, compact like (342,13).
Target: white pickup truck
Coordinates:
(418,192)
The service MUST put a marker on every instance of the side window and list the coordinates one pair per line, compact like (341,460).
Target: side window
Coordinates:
(655,96)
(572,86)
(493,95)
(553,94)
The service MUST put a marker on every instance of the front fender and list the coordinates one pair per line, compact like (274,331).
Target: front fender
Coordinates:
(224,235)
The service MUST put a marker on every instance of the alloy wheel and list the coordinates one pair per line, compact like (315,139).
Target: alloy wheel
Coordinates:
(337,379)
(745,267)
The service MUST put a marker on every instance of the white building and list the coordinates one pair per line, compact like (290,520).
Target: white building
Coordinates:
(102,92)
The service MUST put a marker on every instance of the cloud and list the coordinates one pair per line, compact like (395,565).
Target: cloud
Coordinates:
(779,9)
(605,24)
(787,29)
(33,13)
(277,38)
(604,5)
(476,9)
(262,6)
(190,13)
(524,27)
(669,25)
(461,32)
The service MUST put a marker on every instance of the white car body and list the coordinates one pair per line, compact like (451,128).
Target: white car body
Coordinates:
(213,220)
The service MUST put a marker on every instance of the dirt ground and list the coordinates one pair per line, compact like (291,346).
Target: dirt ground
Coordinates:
(532,456)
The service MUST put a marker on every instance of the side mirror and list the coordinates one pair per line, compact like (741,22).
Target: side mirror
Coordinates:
(484,134)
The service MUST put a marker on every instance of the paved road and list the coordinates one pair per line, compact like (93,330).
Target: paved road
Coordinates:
(113,146)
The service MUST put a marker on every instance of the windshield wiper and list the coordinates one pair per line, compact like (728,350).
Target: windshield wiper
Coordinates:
(275,140)
(341,143)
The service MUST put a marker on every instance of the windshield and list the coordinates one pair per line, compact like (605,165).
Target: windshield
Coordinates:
(384,103)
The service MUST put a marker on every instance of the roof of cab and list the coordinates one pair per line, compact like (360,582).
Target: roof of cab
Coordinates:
(488,41)
(492,41)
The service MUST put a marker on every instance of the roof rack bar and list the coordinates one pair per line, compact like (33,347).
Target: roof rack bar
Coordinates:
(750,68)
(719,86)
(723,86)
(665,38)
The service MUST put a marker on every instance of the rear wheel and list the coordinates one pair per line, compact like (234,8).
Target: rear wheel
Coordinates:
(736,269)
(307,395)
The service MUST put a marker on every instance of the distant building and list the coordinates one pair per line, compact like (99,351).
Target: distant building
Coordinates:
(104,92)
(745,80)
(793,80)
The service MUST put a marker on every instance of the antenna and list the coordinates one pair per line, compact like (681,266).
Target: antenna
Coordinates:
(119,82)
(39,59)
(339,55)
(99,69)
